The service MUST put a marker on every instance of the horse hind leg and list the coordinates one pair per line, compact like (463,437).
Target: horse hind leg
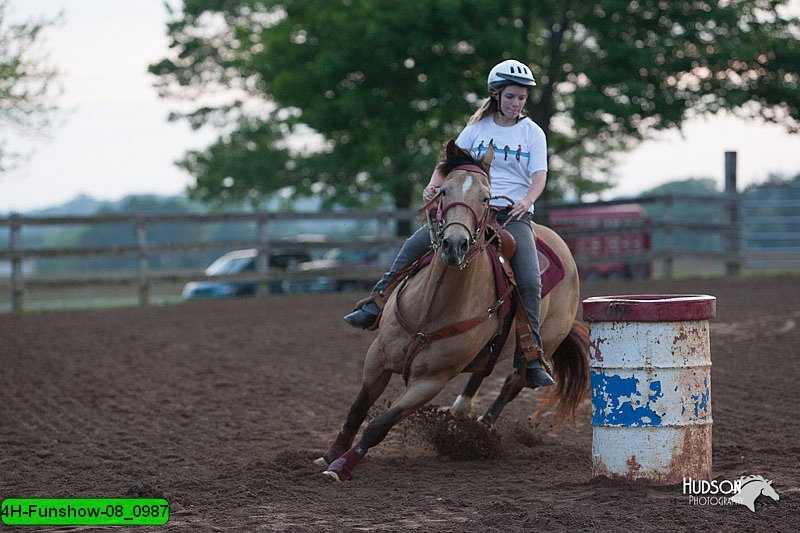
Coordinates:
(570,360)
(415,396)
(511,389)
(374,382)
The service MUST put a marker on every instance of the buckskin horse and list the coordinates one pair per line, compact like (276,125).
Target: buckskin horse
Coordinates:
(436,321)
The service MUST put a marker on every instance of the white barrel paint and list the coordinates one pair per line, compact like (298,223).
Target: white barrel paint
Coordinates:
(651,386)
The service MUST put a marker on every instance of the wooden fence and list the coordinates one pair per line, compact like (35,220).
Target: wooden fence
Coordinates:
(17,254)
(667,225)
(771,232)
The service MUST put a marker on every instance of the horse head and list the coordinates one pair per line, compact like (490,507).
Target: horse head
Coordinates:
(751,488)
(463,202)
(769,491)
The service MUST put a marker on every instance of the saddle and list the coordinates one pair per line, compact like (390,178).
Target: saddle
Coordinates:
(551,267)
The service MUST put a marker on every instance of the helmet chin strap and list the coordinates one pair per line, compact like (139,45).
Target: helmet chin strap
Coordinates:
(499,105)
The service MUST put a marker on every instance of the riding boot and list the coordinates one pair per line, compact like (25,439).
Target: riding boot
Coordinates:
(365,317)
(367,313)
(537,376)
(535,373)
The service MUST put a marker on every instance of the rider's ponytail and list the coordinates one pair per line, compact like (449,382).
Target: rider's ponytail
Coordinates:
(488,107)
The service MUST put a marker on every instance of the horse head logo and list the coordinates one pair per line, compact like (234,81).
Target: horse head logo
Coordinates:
(751,488)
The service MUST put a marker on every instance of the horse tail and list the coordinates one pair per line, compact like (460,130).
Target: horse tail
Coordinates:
(571,369)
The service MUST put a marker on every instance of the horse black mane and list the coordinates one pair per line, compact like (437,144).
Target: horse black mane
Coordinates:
(455,156)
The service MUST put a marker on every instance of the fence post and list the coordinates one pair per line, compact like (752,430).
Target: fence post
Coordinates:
(17,275)
(669,236)
(733,239)
(262,260)
(141,241)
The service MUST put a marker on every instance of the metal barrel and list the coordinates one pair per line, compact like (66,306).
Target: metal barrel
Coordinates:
(651,386)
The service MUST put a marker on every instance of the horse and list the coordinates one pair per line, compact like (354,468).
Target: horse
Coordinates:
(751,488)
(455,291)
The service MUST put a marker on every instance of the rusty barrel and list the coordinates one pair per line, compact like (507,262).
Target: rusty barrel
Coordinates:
(651,386)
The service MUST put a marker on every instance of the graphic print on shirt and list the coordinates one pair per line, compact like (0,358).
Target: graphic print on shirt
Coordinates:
(505,150)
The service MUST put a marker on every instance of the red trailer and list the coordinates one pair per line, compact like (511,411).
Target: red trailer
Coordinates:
(625,245)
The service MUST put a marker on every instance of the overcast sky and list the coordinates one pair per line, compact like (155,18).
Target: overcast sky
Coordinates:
(115,139)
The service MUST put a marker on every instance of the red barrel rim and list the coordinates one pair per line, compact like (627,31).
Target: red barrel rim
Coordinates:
(649,308)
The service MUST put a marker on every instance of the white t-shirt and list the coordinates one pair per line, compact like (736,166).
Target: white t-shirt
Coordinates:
(519,151)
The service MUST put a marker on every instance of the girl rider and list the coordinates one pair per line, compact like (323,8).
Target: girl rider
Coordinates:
(519,171)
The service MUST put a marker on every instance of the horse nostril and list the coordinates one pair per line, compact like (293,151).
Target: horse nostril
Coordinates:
(447,247)
(463,246)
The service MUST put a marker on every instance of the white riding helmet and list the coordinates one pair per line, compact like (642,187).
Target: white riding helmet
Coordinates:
(509,72)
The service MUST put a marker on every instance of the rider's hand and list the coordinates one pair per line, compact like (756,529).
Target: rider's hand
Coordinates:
(520,208)
(430,192)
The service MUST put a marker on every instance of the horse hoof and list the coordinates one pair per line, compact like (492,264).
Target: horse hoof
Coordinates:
(462,406)
(320,462)
(333,475)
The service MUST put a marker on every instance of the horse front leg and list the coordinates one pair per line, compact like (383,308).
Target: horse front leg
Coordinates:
(463,404)
(373,383)
(415,396)
(511,389)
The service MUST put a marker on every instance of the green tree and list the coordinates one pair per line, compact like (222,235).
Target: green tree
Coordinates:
(27,83)
(384,83)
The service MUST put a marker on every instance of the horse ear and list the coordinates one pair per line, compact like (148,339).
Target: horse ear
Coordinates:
(488,157)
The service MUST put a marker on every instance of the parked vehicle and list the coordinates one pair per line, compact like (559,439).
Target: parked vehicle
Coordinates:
(628,239)
(356,268)
(245,261)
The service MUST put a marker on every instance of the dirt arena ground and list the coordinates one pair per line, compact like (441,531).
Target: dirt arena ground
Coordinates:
(220,407)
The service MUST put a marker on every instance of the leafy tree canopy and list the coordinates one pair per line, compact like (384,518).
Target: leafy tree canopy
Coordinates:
(383,83)
(26,83)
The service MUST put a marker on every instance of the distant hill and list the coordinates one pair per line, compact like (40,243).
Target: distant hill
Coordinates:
(80,205)
(84,205)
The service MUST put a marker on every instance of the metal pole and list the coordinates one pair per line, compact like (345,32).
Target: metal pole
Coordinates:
(17,275)
(733,240)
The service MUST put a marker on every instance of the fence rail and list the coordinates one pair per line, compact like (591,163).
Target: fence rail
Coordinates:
(667,225)
(143,250)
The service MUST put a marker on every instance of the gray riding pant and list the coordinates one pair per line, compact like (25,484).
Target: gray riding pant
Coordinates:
(525,264)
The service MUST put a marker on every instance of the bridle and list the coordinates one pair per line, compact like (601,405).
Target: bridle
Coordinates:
(438,226)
